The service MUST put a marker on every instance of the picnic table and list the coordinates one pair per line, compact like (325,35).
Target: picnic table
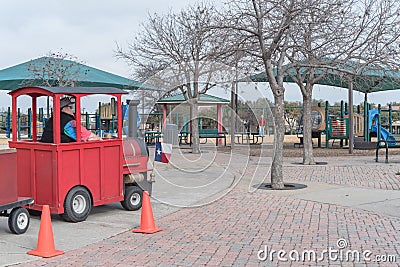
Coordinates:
(152,136)
(186,137)
(249,138)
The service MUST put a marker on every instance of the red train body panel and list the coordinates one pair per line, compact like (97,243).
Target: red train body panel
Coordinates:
(8,176)
(47,172)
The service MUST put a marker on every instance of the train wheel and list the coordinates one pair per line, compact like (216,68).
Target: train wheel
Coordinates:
(77,205)
(132,198)
(18,221)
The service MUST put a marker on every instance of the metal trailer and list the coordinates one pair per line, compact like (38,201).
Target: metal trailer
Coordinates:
(11,205)
(73,177)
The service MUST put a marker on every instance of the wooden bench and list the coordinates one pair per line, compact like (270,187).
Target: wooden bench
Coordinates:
(387,144)
(314,134)
(212,133)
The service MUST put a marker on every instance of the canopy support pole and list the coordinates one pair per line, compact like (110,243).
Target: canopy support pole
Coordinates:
(219,122)
(351,120)
(233,116)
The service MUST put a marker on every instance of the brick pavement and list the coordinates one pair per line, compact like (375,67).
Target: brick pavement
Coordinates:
(225,235)
(381,177)
(232,230)
(350,171)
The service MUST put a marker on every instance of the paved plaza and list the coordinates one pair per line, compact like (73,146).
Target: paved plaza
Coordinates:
(214,214)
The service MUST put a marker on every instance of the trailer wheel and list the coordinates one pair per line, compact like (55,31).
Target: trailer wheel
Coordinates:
(132,198)
(77,205)
(18,221)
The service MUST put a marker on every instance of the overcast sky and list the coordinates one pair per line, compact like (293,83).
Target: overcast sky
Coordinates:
(89,30)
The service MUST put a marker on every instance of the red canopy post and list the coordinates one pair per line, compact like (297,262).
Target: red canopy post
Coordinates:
(164,124)
(56,119)
(119,114)
(14,118)
(34,118)
(78,117)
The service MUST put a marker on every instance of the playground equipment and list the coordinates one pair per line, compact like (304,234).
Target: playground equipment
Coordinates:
(365,124)
(396,127)
(73,177)
(386,138)
(106,117)
(24,122)
(338,126)
(317,124)
(104,120)
(5,122)
(375,126)
(322,121)
(335,125)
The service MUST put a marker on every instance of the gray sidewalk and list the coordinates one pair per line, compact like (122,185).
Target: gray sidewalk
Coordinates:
(228,221)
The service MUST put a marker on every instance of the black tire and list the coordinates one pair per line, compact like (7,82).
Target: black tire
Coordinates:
(18,221)
(132,198)
(77,205)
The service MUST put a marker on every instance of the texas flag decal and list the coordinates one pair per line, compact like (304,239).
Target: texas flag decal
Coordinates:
(163,152)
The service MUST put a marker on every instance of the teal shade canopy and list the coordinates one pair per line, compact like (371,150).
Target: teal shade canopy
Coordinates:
(204,98)
(368,80)
(85,76)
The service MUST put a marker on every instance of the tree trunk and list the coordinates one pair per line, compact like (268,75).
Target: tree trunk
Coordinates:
(279,119)
(308,157)
(195,126)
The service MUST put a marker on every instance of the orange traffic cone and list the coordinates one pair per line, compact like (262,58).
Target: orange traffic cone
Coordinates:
(147,225)
(45,246)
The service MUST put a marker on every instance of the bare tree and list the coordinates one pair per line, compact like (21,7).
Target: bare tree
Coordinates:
(310,40)
(321,34)
(56,69)
(148,98)
(342,36)
(185,44)
(263,28)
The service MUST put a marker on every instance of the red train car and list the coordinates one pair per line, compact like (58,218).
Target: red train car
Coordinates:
(11,205)
(73,177)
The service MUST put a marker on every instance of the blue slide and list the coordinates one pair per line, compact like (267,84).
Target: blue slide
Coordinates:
(385,134)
